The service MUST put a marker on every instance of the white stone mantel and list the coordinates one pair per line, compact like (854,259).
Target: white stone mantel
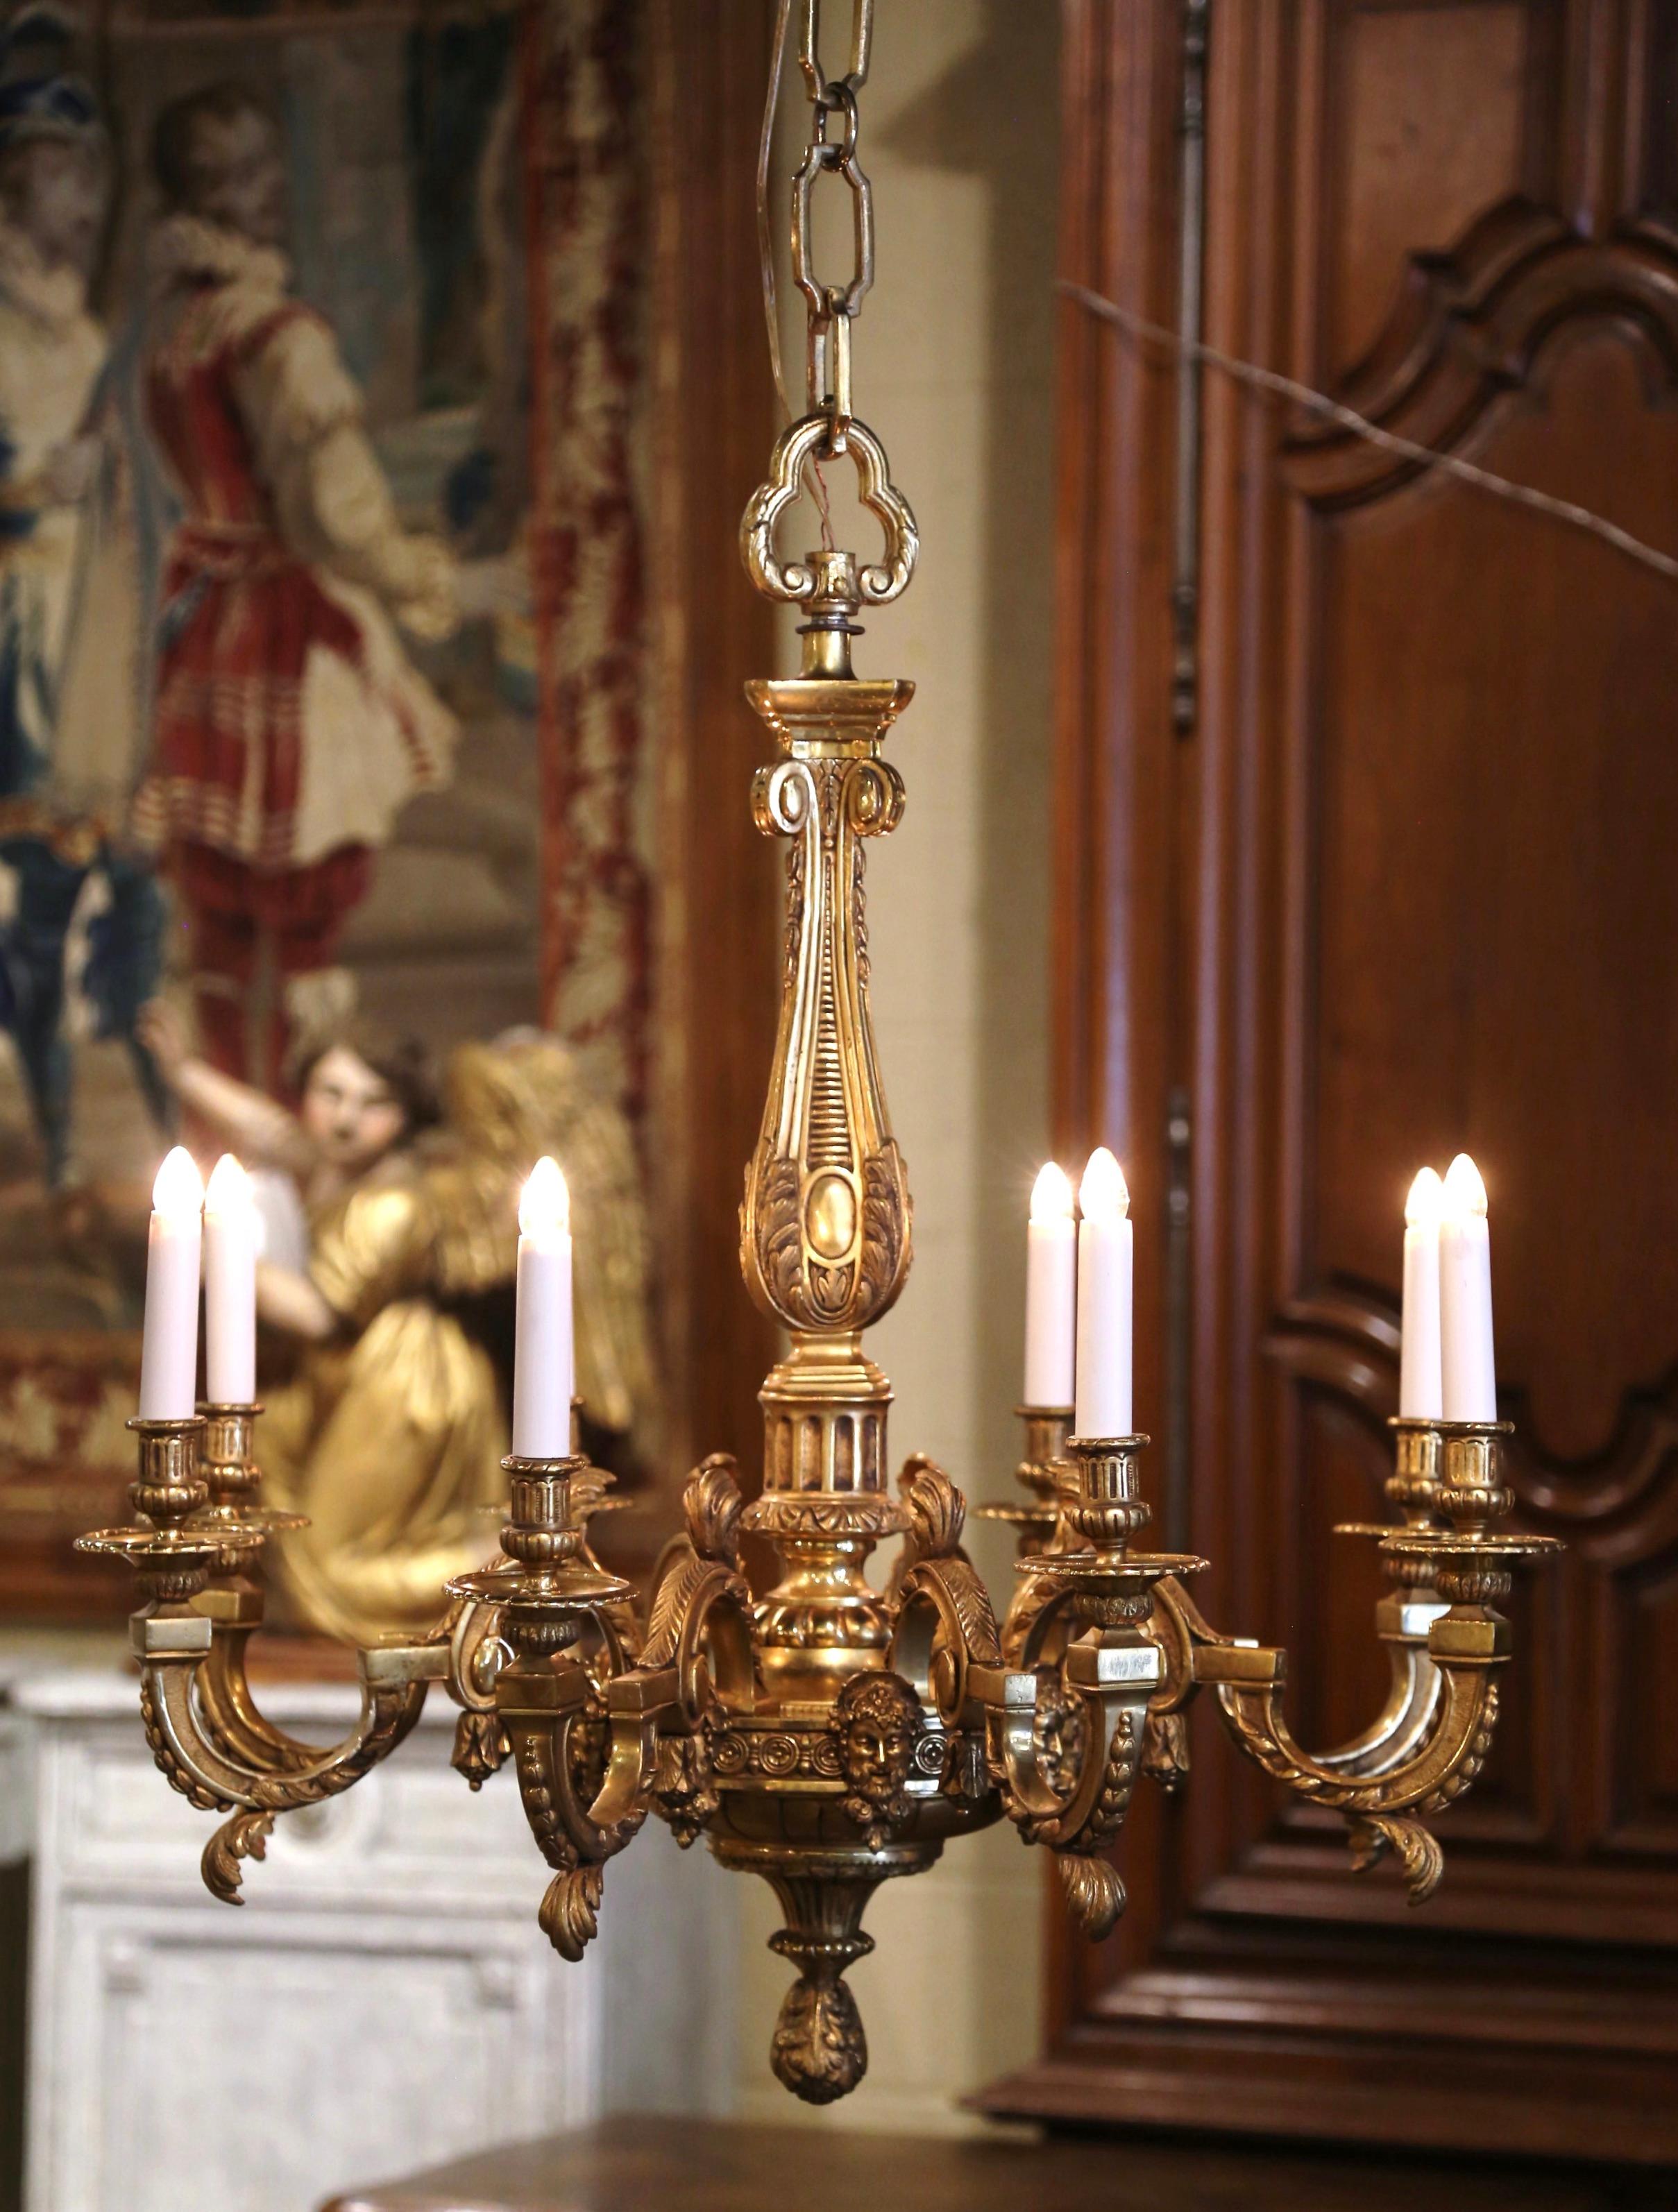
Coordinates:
(384,2001)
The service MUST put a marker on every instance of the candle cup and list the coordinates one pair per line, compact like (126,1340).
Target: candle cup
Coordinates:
(553,1585)
(1413,1490)
(171,1558)
(1472,1491)
(1110,1587)
(1047,1433)
(170,1553)
(543,1525)
(1413,1487)
(170,1486)
(226,1459)
(1039,1524)
(1470,1564)
(1108,1507)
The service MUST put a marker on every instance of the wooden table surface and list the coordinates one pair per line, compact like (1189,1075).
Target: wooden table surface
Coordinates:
(644,2165)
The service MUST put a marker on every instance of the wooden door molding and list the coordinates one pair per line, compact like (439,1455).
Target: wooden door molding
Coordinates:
(1470,334)
(1404,887)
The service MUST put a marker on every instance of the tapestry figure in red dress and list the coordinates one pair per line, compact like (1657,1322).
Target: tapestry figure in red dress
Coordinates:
(290,725)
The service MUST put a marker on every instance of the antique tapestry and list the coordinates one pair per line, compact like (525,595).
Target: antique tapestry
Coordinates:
(321,666)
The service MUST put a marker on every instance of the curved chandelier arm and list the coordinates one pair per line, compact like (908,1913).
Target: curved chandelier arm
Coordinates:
(228,1710)
(553,1715)
(554,1632)
(194,1533)
(394,1683)
(251,1769)
(463,1654)
(1404,1616)
(1416,1690)
(1067,1746)
(233,1599)
(695,1666)
(1433,1737)
(477,1650)
(1403,1620)
(231,1727)
(1038,1606)
(1062,1742)
(1071,1746)
(944,1642)
(1385,1810)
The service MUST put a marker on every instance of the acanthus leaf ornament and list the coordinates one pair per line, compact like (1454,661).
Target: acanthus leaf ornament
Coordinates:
(1094,1893)
(244,1836)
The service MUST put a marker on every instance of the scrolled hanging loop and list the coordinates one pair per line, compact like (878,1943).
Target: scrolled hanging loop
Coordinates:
(796,581)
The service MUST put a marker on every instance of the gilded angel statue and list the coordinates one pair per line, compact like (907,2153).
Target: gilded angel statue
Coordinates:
(389,1432)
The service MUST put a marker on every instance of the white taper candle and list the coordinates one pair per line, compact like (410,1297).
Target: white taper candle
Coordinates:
(1420,1390)
(544,1358)
(1051,1290)
(1469,1367)
(169,1347)
(1102,1394)
(232,1240)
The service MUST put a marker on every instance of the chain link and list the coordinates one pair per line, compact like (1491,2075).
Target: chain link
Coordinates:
(831,307)
(862,39)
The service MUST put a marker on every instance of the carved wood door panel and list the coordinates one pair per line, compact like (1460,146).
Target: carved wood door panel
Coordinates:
(1400,882)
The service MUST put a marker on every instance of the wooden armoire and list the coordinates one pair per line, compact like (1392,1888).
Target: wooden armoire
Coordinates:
(1368,853)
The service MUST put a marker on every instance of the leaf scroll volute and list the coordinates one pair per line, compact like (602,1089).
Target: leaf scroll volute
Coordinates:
(825,1241)
(798,445)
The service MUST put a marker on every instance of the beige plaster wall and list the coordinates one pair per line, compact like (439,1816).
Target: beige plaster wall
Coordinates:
(954,371)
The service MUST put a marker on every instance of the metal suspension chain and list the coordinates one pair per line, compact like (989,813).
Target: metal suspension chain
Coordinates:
(831,585)
(832,308)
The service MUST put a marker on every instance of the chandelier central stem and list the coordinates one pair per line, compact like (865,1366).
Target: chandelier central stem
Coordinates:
(825,1223)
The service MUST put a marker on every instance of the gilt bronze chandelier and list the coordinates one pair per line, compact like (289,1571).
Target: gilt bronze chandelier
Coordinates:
(826,1734)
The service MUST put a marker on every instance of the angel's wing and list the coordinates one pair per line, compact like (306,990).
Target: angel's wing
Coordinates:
(527,1094)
